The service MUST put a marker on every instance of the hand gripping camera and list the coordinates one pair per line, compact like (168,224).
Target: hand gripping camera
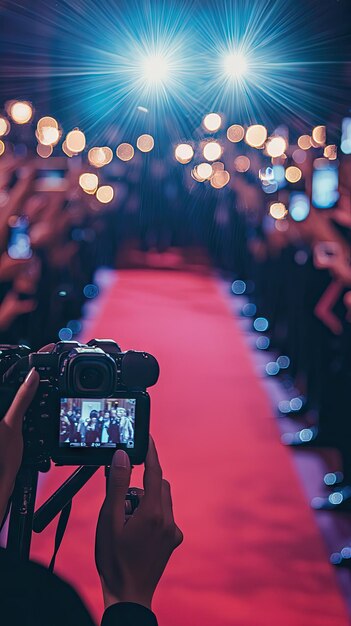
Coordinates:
(91,400)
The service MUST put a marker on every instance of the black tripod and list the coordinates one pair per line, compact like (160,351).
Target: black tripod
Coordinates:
(23,519)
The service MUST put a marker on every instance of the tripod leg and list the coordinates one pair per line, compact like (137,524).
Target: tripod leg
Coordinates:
(22,511)
(62,496)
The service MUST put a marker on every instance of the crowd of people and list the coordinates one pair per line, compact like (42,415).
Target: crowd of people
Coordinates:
(44,290)
(104,427)
(297,281)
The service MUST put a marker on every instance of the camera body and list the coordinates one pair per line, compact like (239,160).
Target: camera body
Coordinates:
(91,400)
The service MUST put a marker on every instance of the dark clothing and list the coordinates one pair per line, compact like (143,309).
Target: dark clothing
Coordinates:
(91,435)
(113,431)
(31,596)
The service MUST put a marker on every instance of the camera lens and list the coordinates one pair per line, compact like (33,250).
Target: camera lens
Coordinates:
(90,378)
(88,372)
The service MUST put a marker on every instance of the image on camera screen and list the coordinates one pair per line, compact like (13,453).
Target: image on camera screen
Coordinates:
(97,423)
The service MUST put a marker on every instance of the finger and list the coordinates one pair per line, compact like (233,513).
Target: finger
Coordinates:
(48,348)
(118,484)
(23,398)
(178,536)
(167,508)
(168,517)
(152,480)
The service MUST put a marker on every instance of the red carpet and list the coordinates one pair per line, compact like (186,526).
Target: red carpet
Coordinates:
(252,554)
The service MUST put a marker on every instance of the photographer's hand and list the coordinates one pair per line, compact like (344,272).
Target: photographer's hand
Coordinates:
(11,442)
(132,555)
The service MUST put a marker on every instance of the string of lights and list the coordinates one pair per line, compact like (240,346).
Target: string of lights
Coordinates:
(210,157)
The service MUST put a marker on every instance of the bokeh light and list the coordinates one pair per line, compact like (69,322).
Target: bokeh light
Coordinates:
(4,126)
(261,324)
(47,121)
(2,147)
(44,151)
(262,343)
(100,156)
(278,210)
(293,174)
(204,171)
(89,182)
(212,122)
(272,368)
(21,112)
(256,136)
(319,135)
(66,150)
(220,179)
(105,194)
(238,287)
(145,143)
(196,176)
(235,133)
(304,142)
(217,165)
(125,151)
(212,151)
(48,135)
(91,291)
(65,334)
(276,146)
(75,141)
(299,156)
(331,152)
(184,152)
(242,163)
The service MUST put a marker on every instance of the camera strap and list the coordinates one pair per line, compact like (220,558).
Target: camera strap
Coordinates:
(60,531)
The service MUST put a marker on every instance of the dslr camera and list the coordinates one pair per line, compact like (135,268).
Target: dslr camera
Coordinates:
(91,400)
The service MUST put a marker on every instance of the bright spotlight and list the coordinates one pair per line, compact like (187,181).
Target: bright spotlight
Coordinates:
(155,69)
(235,65)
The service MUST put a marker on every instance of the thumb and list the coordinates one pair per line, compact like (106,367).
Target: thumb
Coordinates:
(118,484)
(22,400)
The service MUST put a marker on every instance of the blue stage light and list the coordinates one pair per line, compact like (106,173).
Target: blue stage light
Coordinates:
(155,69)
(235,65)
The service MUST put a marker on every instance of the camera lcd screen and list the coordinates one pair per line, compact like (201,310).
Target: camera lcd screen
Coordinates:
(97,422)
